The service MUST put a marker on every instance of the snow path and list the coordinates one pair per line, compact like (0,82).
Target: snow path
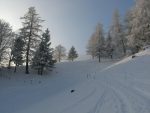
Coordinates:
(138,101)
(123,87)
(125,94)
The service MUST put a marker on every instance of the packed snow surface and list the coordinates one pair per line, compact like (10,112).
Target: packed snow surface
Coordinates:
(106,87)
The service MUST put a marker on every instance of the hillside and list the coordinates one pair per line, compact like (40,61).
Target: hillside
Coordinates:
(107,87)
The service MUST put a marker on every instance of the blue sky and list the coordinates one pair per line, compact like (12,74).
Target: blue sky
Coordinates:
(71,22)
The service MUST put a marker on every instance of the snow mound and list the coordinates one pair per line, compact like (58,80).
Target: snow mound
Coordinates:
(130,58)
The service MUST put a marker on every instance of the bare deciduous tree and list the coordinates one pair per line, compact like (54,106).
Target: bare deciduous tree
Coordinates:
(91,47)
(59,52)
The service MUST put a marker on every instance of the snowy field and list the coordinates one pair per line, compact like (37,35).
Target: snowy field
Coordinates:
(107,87)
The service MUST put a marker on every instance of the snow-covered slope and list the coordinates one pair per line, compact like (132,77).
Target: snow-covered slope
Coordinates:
(107,87)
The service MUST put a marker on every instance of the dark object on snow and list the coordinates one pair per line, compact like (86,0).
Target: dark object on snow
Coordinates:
(72,91)
(133,56)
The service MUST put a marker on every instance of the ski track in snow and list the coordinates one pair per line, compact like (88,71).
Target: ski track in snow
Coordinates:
(139,102)
(127,99)
(124,98)
(79,102)
(100,89)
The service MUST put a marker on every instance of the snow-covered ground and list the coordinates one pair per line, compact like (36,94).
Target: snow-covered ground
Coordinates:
(107,87)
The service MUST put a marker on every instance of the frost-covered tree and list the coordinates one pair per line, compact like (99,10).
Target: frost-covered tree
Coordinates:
(117,34)
(96,44)
(127,21)
(6,37)
(32,27)
(72,54)
(139,21)
(128,27)
(43,58)
(91,47)
(99,34)
(109,46)
(17,51)
(59,52)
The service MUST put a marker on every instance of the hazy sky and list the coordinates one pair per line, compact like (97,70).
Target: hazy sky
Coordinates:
(71,22)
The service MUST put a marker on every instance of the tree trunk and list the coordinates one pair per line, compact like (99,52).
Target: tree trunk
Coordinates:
(99,57)
(15,69)
(42,70)
(9,63)
(38,71)
(27,61)
(111,56)
(124,48)
(27,55)
(28,47)
(59,56)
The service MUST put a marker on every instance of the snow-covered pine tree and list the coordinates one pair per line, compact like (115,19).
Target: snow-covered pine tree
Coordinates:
(32,27)
(72,54)
(17,51)
(118,36)
(139,21)
(109,47)
(43,58)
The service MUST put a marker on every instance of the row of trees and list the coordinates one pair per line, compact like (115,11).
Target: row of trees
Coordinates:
(29,46)
(127,37)
(60,53)
(98,45)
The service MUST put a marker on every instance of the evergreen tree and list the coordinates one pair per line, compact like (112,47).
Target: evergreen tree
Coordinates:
(72,54)
(17,52)
(32,27)
(43,58)
(109,47)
